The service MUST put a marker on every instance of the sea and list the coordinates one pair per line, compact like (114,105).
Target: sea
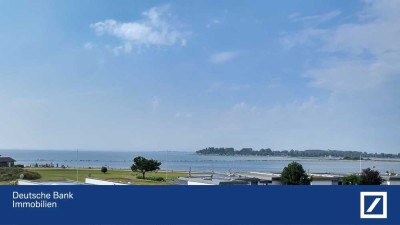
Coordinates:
(185,161)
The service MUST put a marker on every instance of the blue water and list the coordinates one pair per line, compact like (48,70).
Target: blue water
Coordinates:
(173,160)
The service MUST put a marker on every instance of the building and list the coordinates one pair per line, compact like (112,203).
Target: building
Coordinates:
(6,162)
(230,179)
(391,180)
(326,180)
(95,181)
(257,178)
(211,179)
(263,178)
(88,181)
(214,181)
(48,182)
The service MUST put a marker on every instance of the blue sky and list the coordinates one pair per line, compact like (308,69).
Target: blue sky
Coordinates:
(184,75)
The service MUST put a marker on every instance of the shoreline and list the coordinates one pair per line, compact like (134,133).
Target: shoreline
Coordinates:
(297,157)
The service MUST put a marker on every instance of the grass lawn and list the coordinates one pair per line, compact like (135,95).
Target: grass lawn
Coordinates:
(124,176)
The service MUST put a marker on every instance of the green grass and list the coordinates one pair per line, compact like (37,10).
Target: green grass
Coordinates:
(112,175)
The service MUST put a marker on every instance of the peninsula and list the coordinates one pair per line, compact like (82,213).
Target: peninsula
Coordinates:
(295,153)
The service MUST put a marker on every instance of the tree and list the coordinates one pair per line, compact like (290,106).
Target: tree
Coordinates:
(104,169)
(352,179)
(370,177)
(145,165)
(294,174)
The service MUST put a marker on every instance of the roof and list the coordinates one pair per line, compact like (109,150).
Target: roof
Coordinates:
(201,180)
(392,178)
(53,182)
(214,181)
(249,179)
(233,182)
(314,178)
(260,176)
(6,159)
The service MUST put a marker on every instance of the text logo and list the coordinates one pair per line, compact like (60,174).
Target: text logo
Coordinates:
(373,205)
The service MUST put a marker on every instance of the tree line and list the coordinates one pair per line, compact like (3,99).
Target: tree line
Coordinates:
(295,153)
(294,174)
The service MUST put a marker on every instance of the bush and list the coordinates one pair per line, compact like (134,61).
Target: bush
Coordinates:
(19,166)
(150,178)
(14,173)
(352,179)
(370,177)
(30,175)
(10,173)
(104,169)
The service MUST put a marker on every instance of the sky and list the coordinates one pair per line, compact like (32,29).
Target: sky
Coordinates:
(185,75)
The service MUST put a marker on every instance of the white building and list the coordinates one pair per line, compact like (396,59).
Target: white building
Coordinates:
(210,181)
(88,181)
(264,178)
(48,182)
(391,180)
(326,180)
(231,179)
(94,181)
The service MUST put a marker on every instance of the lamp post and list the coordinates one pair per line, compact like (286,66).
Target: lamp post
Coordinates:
(77,166)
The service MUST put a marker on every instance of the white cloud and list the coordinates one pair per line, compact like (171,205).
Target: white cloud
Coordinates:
(89,45)
(344,75)
(357,64)
(222,57)
(320,18)
(361,36)
(294,16)
(307,36)
(379,35)
(126,48)
(369,50)
(156,29)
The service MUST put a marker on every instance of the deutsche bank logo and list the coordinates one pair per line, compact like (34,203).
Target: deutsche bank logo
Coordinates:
(373,205)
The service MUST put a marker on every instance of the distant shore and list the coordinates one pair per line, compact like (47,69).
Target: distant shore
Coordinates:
(307,157)
(314,153)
